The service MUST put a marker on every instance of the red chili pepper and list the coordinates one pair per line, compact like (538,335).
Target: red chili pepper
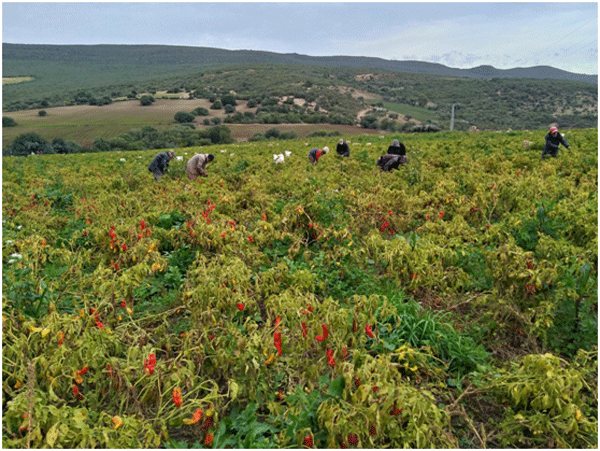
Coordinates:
(277,339)
(150,363)
(369,331)
(324,335)
(308,441)
(304,330)
(240,306)
(177,397)
(83,370)
(330,358)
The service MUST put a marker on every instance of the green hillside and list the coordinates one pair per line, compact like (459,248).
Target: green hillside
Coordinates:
(65,75)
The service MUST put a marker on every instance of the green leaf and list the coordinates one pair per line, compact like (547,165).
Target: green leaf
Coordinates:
(336,388)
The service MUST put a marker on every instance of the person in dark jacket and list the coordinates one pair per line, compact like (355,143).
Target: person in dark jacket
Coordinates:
(397,148)
(390,161)
(314,154)
(343,149)
(553,140)
(160,164)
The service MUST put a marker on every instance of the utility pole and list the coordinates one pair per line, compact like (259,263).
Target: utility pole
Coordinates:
(452,118)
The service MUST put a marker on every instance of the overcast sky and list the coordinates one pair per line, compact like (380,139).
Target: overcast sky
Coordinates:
(460,35)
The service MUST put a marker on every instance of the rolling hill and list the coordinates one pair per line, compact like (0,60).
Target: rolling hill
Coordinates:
(157,55)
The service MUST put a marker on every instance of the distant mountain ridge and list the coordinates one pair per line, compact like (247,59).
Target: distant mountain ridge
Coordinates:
(209,56)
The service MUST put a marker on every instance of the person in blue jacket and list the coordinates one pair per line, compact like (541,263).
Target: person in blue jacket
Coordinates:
(553,140)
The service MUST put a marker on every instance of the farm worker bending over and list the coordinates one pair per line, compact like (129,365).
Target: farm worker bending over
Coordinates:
(196,166)
(160,163)
(390,161)
(314,154)
(343,149)
(397,148)
(553,139)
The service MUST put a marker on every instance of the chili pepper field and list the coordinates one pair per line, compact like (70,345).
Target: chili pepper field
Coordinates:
(449,304)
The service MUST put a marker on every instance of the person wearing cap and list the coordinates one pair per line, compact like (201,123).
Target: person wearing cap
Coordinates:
(196,166)
(160,164)
(314,154)
(343,149)
(389,162)
(397,148)
(553,140)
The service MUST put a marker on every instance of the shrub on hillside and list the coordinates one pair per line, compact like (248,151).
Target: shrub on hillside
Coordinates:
(26,144)
(184,116)
(425,128)
(228,99)
(200,111)
(8,122)
(61,146)
(146,100)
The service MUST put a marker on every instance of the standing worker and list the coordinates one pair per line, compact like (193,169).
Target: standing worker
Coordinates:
(160,164)
(196,166)
(343,149)
(553,139)
(314,154)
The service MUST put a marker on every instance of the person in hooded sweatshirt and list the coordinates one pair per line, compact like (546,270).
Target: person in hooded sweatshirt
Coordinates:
(397,148)
(553,140)
(343,149)
(314,154)
(160,164)
(196,166)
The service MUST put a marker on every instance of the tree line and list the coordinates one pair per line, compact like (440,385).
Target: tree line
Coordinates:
(146,138)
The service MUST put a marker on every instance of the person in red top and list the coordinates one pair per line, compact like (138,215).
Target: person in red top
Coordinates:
(314,154)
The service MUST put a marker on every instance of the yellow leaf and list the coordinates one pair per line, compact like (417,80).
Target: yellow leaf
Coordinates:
(52,435)
(233,390)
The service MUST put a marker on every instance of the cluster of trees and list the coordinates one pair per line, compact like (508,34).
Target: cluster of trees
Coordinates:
(496,104)
(146,138)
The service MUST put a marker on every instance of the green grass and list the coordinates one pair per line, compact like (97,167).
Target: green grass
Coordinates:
(418,113)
